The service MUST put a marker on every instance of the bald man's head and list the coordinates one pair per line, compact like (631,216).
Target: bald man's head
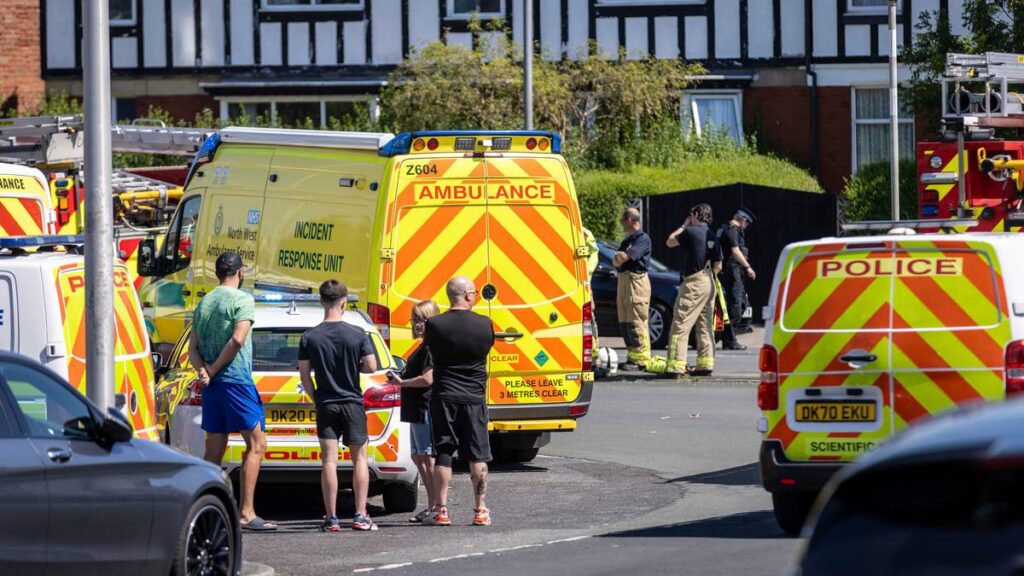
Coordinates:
(630,220)
(461,293)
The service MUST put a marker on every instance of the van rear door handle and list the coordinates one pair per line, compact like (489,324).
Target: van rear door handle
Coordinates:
(186,292)
(858,358)
(508,335)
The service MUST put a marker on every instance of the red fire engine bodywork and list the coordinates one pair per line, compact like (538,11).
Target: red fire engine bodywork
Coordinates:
(987,199)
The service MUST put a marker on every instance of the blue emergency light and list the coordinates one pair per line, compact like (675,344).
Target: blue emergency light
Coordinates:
(288,297)
(44,240)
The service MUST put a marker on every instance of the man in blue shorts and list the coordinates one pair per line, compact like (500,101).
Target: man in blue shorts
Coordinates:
(220,348)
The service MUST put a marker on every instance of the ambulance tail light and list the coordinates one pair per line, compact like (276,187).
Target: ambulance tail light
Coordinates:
(383,396)
(531,143)
(768,389)
(195,396)
(381,318)
(1015,368)
(588,337)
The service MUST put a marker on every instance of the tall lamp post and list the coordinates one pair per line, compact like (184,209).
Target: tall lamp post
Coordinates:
(528,64)
(894,120)
(99,212)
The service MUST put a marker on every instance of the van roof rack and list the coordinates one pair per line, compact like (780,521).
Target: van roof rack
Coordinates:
(321,138)
(884,226)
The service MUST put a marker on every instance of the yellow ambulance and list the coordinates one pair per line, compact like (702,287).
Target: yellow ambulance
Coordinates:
(866,336)
(26,207)
(395,217)
(42,316)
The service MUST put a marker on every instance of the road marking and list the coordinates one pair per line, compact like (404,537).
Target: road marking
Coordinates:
(573,539)
(472,554)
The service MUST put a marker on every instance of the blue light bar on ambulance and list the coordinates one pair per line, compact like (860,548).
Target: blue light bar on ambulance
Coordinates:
(500,139)
(287,297)
(44,240)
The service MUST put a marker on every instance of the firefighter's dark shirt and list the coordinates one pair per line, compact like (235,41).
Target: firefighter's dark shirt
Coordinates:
(700,246)
(638,248)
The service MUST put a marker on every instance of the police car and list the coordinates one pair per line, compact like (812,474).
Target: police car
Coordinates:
(293,451)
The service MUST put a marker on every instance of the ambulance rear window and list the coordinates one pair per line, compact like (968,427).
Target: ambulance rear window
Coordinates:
(837,291)
(945,289)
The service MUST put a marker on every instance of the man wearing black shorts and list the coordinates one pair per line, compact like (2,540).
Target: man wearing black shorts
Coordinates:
(459,341)
(335,352)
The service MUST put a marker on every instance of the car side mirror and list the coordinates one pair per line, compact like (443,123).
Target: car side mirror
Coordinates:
(115,427)
(399,363)
(148,263)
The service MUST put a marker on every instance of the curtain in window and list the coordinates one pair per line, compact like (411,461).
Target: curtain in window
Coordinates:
(718,114)
(873,143)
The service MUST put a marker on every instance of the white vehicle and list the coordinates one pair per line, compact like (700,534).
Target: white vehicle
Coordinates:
(293,451)
(42,316)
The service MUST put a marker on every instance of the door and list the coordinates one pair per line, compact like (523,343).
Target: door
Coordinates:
(168,301)
(437,229)
(22,215)
(534,289)
(832,335)
(22,496)
(101,503)
(950,327)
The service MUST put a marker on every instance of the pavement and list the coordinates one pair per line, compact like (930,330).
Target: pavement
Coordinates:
(661,477)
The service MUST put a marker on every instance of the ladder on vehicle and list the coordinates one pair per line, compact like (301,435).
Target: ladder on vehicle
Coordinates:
(60,140)
(975,88)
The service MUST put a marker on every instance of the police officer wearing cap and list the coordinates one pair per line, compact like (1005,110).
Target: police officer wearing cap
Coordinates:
(735,272)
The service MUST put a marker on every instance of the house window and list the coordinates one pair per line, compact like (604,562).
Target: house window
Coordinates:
(647,2)
(720,112)
(296,112)
(871,128)
(313,4)
(463,9)
(870,6)
(122,12)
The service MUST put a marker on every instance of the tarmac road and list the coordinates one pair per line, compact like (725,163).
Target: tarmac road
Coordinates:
(661,478)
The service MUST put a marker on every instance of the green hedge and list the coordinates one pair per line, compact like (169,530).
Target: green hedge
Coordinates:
(603,193)
(868,197)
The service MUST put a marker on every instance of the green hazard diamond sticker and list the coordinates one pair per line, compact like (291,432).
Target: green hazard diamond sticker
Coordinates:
(541,358)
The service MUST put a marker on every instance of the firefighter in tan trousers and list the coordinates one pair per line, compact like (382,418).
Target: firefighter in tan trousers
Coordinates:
(633,295)
(695,305)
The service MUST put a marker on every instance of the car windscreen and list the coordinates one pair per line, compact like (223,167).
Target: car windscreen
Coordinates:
(951,517)
(277,349)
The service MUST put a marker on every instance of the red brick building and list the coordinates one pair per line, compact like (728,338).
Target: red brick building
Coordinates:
(21,67)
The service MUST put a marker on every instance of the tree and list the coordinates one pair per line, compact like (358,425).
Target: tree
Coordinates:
(992,25)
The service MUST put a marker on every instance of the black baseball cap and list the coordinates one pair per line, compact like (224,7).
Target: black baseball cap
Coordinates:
(228,263)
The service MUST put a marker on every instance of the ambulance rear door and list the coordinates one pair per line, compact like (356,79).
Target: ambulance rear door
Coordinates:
(22,209)
(832,333)
(535,288)
(950,326)
(436,228)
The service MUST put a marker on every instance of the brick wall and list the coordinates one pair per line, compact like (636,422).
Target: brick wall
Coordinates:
(182,107)
(781,115)
(21,82)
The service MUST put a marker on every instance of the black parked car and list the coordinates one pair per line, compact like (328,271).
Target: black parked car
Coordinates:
(664,288)
(944,498)
(80,495)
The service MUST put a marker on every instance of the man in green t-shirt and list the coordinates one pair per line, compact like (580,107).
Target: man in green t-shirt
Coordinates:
(220,349)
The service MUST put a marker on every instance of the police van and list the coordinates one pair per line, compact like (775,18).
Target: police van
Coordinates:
(395,217)
(866,336)
(42,316)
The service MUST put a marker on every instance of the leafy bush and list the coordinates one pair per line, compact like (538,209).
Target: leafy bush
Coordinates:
(867,192)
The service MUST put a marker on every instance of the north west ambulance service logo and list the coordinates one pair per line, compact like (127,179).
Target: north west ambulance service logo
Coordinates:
(218,221)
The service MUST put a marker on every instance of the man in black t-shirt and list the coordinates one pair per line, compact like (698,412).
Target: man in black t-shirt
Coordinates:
(459,341)
(694,305)
(335,352)
(735,272)
(633,291)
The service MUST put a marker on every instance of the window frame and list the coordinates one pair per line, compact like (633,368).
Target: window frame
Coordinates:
(872,10)
(690,113)
(313,6)
(127,21)
(854,122)
(226,102)
(617,3)
(451,14)
(20,423)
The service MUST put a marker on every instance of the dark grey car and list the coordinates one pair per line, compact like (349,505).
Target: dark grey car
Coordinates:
(80,495)
(944,498)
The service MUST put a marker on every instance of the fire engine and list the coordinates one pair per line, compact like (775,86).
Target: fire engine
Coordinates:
(970,174)
(144,199)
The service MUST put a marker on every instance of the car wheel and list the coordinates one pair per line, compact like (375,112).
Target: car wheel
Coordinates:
(524,455)
(791,510)
(399,498)
(658,323)
(206,544)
